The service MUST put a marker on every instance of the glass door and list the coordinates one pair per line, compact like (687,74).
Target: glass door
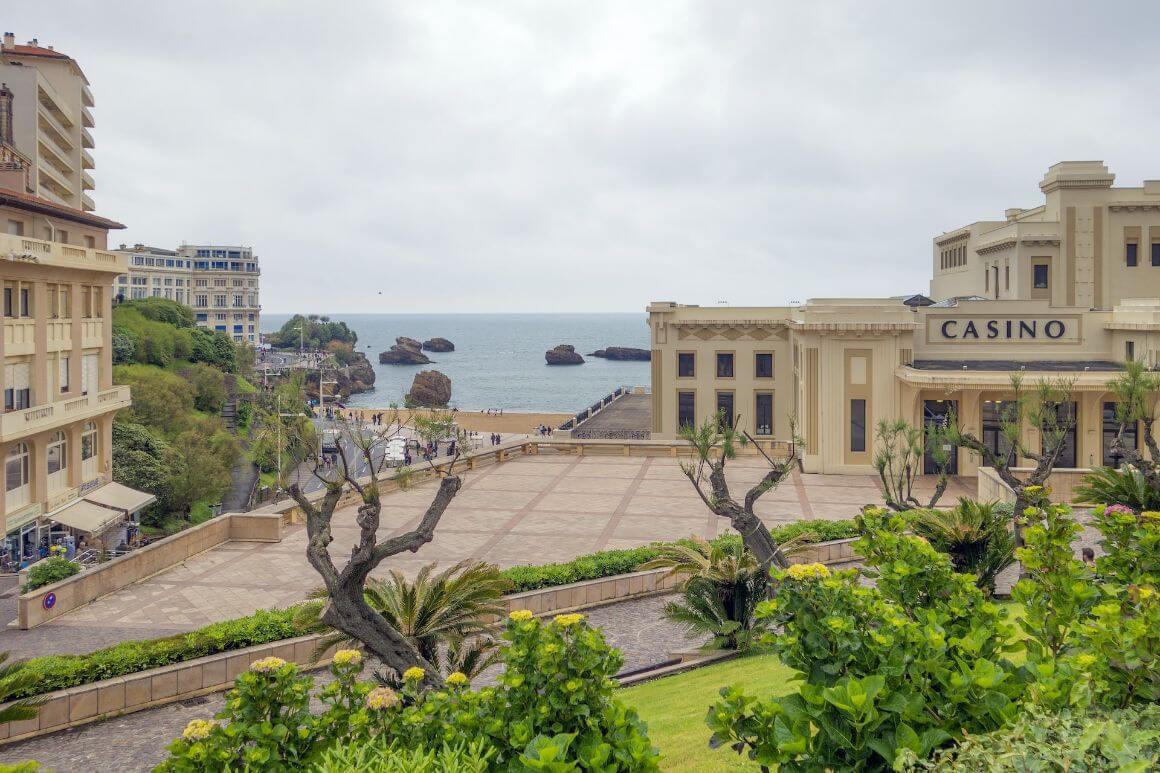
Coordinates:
(937,413)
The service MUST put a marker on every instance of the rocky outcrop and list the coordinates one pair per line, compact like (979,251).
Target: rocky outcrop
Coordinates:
(406,351)
(563,354)
(430,389)
(438,345)
(623,353)
(357,376)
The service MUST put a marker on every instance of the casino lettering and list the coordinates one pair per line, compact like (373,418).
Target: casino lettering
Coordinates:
(1006,329)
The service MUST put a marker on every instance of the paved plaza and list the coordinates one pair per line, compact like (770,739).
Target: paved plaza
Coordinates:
(531,510)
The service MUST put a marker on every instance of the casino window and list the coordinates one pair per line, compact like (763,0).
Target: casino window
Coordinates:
(724,364)
(686,364)
(1039,276)
(763,415)
(1156,253)
(1129,351)
(725,408)
(686,409)
(1131,253)
(763,365)
(1111,429)
(858,425)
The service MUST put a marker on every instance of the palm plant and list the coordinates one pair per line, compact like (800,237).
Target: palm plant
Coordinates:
(720,588)
(1109,486)
(973,534)
(448,617)
(15,679)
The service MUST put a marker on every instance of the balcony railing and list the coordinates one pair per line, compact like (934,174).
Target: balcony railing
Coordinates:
(87,161)
(22,423)
(55,131)
(87,139)
(21,249)
(54,102)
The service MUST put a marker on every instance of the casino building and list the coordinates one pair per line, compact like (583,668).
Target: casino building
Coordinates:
(1068,289)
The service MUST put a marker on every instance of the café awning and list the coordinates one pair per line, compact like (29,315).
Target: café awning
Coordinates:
(119,497)
(82,515)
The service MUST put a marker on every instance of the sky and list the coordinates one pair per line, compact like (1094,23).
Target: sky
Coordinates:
(593,156)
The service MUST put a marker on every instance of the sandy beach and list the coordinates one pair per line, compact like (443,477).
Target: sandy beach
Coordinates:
(508,423)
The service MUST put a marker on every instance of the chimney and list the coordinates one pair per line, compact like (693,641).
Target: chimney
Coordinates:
(34,42)
(9,39)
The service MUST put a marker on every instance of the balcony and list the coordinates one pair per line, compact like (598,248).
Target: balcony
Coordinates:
(29,421)
(87,181)
(54,131)
(87,96)
(87,203)
(55,156)
(87,160)
(54,103)
(87,139)
(21,249)
(53,180)
(87,118)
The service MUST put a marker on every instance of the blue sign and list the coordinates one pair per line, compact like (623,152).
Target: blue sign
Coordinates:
(49,601)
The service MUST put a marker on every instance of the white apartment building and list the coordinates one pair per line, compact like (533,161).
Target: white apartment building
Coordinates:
(45,115)
(220,283)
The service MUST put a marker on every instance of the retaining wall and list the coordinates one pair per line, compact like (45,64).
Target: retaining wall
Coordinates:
(1062,483)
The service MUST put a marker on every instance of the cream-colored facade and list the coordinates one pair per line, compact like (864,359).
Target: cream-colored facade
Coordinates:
(220,283)
(49,117)
(841,365)
(57,381)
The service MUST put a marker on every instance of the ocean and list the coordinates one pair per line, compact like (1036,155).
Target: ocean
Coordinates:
(498,360)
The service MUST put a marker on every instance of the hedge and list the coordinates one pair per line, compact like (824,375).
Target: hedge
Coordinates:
(59,672)
(610,562)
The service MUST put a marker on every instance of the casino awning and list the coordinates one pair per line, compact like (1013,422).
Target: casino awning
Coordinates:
(118,497)
(89,517)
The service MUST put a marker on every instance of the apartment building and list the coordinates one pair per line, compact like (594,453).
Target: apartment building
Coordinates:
(57,381)
(1069,289)
(220,283)
(46,117)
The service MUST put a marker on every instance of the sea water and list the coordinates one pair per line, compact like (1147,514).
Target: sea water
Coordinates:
(498,360)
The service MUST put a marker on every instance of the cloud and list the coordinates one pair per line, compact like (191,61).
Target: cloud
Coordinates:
(594,156)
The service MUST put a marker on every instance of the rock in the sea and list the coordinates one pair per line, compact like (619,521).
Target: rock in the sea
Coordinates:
(406,351)
(430,389)
(563,354)
(623,353)
(438,345)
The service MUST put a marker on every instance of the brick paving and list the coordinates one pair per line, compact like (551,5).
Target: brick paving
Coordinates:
(530,510)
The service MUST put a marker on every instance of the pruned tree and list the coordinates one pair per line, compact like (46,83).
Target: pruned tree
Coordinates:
(360,466)
(1137,393)
(714,444)
(1040,408)
(898,457)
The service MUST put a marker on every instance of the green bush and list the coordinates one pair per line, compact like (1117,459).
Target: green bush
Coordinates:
(376,757)
(553,709)
(1125,740)
(606,563)
(1108,486)
(48,571)
(58,672)
(161,400)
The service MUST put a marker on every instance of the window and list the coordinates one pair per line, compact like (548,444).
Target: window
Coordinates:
(201,300)
(686,409)
(858,426)
(62,236)
(995,414)
(89,450)
(686,365)
(219,301)
(25,302)
(16,227)
(17,386)
(89,365)
(1111,430)
(90,242)
(725,408)
(724,364)
(238,302)
(1156,253)
(63,373)
(1129,351)
(1006,277)
(56,459)
(763,415)
(1039,276)
(1130,254)
(16,487)
(763,365)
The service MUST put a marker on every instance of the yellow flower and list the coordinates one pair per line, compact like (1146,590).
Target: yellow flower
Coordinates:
(382,698)
(1143,593)
(520,615)
(198,729)
(348,657)
(569,619)
(414,674)
(456,679)
(1032,489)
(807,571)
(266,665)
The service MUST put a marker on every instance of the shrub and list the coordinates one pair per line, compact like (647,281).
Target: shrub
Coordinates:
(209,388)
(976,536)
(553,709)
(161,399)
(1124,740)
(1108,486)
(48,571)
(908,665)
(125,345)
(376,757)
(58,672)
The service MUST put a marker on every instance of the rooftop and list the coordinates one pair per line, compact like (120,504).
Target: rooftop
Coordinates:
(32,203)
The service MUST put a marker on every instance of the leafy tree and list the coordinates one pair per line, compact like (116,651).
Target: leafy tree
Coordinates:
(316,333)
(160,399)
(1137,394)
(208,453)
(161,310)
(899,456)
(209,388)
(214,348)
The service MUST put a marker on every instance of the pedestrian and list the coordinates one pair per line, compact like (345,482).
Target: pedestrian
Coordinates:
(1089,556)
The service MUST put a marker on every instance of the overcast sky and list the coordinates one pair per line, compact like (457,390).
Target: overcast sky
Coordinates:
(593,156)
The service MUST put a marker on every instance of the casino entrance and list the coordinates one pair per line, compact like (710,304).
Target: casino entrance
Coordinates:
(937,413)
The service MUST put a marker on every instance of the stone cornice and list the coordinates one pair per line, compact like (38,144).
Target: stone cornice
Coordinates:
(996,246)
(953,236)
(1132,206)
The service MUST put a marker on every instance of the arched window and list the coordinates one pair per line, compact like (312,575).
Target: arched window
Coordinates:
(89,450)
(56,459)
(17,490)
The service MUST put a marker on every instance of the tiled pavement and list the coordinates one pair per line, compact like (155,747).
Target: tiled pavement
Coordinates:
(531,510)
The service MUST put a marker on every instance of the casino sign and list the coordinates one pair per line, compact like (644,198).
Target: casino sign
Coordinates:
(1003,329)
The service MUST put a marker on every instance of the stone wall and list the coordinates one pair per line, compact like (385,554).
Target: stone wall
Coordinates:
(1062,483)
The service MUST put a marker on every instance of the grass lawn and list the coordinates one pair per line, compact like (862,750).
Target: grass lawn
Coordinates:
(675,709)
